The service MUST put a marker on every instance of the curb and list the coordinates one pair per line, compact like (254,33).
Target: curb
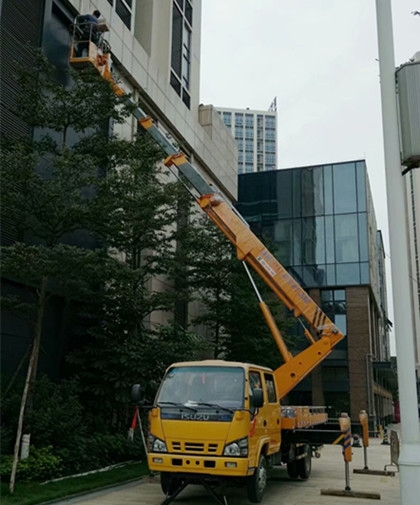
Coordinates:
(93,490)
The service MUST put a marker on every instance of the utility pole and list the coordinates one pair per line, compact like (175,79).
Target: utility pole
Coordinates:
(409,460)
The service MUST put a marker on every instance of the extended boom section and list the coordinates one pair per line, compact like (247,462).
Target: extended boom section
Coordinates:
(325,335)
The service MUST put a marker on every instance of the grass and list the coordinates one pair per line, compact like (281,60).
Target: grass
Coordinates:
(31,493)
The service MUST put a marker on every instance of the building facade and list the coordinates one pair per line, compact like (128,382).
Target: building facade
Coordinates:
(322,221)
(155,49)
(255,133)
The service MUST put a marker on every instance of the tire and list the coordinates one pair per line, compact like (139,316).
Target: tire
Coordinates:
(304,465)
(292,469)
(258,482)
(169,483)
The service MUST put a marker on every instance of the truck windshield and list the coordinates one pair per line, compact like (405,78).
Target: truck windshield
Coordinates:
(194,385)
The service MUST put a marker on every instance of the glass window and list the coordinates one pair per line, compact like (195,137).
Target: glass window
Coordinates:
(270,122)
(361,186)
(239,119)
(312,192)
(186,57)
(181,49)
(331,281)
(248,168)
(364,273)
(123,9)
(348,274)
(313,241)
(284,242)
(270,387)
(221,385)
(346,239)
(363,237)
(176,56)
(249,120)
(297,242)
(239,131)
(344,188)
(340,320)
(283,188)
(249,145)
(329,239)
(227,118)
(326,295)
(339,294)
(297,198)
(328,190)
(255,382)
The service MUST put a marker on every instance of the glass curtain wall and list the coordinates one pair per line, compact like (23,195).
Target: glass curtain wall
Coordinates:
(317,217)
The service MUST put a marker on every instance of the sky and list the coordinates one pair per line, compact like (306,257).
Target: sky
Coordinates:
(320,59)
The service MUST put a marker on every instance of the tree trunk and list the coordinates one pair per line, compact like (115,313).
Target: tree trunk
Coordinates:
(33,361)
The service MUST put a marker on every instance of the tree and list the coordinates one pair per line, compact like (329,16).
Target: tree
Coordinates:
(230,306)
(126,346)
(48,186)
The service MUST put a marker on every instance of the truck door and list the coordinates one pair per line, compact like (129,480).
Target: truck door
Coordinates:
(272,412)
(259,425)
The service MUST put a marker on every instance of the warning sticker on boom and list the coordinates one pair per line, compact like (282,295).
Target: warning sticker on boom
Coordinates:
(266,266)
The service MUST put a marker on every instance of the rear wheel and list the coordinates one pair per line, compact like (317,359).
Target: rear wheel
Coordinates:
(258,482)
(292,469)
(169,483)
(304,465)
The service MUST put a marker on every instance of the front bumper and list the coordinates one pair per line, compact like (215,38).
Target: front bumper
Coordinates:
(210,465)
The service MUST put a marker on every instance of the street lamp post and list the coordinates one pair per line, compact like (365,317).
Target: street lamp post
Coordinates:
(409,461)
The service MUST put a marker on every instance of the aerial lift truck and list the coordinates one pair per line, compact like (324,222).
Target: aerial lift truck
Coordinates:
(213,421)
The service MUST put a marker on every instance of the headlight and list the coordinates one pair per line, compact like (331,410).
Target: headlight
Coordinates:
(156,444)
(239,448)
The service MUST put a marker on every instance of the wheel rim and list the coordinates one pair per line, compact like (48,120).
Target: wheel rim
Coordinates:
(262,478)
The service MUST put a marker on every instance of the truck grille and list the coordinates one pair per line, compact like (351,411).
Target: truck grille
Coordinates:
(195,447)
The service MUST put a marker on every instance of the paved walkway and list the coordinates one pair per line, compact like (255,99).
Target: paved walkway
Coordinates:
(327,472)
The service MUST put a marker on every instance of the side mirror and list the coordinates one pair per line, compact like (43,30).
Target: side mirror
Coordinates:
(136,394)
(257,398)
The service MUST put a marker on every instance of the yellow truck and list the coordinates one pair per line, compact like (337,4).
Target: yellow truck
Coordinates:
(214,421)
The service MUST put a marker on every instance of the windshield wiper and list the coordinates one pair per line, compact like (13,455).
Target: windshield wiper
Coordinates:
(180,405)
(204,404)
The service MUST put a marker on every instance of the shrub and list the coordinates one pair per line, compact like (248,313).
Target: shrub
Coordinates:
(41,464)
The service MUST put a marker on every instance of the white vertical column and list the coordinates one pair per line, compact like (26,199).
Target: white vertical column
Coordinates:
(409,461)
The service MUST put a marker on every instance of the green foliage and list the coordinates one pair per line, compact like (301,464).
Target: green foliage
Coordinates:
(31,493)
(41,464)
(97,450)
(230,306)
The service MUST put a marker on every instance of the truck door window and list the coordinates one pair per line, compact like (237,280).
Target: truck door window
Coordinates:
(270,387)
(254,382)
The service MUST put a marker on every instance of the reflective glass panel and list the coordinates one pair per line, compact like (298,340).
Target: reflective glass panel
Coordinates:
(312,192)
(348,274)
(364,273)
(283,192)
(346,239)
(361,185)
(344,178)
(284,241)
(328,190)
(363,238)
(329,239)
(331,275)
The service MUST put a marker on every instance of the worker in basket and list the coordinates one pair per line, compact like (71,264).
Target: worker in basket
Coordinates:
(88,31)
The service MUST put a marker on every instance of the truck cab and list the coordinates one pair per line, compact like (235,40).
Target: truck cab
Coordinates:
(214,420)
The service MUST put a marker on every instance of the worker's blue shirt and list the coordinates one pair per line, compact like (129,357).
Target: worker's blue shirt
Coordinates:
(88,18)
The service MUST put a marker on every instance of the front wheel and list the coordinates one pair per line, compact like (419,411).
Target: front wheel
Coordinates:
(258,482)
(169,483)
